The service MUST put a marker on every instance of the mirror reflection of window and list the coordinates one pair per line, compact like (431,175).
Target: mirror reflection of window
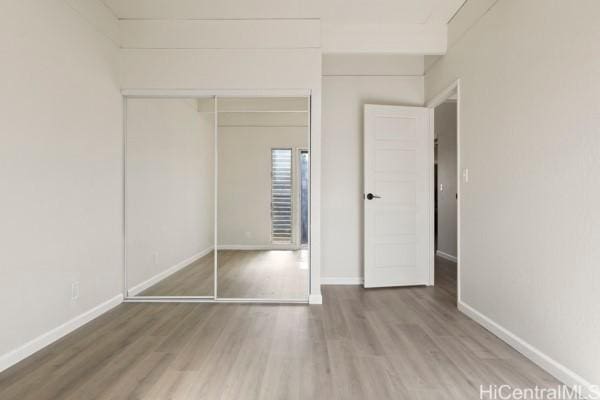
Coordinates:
(281,196)
(262,253)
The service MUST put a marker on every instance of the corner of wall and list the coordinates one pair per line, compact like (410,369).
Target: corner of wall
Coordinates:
(97,13)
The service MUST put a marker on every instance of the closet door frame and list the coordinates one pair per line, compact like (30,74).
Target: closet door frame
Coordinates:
(209,94)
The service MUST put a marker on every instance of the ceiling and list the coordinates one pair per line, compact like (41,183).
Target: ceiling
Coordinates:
(334,11)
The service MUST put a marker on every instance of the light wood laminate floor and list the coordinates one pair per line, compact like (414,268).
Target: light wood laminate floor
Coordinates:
(273,274)
(397,343)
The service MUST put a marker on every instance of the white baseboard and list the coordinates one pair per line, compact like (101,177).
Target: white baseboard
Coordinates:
(11,358)
(137,289)
(445,256)
(553,367)
(257,247)
(315,299)
(342,281)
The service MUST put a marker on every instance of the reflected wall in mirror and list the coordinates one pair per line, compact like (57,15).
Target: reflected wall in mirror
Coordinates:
(169,203)
(263,198)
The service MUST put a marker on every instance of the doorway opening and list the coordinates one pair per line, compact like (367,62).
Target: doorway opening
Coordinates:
(446,211)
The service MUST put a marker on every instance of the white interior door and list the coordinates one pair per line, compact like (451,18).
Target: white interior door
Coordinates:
(398,157)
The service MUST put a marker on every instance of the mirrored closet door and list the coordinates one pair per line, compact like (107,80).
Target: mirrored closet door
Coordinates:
(262,182)
(226,173)
(169,185)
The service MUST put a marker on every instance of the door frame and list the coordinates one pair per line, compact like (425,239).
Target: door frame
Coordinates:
(312,296)
(435,101)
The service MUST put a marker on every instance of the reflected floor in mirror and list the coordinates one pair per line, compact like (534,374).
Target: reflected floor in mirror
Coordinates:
(260,274)
(197,279)
(263,274)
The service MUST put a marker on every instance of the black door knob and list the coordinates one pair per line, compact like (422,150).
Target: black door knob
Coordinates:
(372,196)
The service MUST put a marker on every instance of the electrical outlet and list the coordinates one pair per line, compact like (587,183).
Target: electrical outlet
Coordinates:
(75,290)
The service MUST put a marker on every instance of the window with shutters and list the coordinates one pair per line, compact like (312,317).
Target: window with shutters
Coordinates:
(281,196)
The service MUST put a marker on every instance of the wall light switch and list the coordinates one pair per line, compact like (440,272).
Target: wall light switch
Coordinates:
(466,175)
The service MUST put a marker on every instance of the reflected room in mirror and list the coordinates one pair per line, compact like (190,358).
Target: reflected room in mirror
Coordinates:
(263,198)
(169,185)
(231,173)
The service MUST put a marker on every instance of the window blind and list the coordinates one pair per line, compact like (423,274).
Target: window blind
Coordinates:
(281,196)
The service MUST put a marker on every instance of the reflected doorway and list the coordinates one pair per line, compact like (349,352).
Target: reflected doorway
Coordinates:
(304,179)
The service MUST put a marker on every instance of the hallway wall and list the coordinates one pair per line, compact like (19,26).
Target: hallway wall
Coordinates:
(530,136)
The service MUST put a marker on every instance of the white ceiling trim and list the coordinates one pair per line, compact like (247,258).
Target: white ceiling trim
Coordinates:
(339,11)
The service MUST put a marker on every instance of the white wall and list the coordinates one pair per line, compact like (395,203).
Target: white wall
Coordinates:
(170,185)
(530,136)
(245,180)
(382,38)
(60,174)
(445,132)
(220,34)
(394,80)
